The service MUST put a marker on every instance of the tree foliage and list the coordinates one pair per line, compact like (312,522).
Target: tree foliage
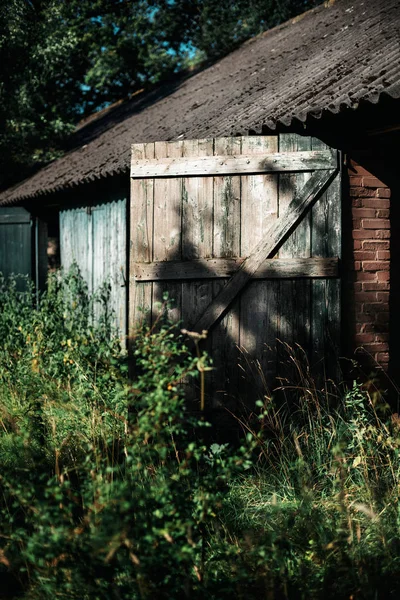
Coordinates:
(60,61)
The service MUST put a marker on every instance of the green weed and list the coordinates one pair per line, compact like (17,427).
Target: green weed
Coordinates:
(111,488)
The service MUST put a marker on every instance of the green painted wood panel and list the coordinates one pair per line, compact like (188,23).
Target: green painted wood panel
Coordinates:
(16,242)
(95,238)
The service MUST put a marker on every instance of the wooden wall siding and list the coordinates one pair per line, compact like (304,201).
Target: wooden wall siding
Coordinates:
(95,238)
(215,221)
(16,243)
(326,240)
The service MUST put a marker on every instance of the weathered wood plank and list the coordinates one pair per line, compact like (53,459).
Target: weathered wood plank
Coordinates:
(98,222)
(197,232)
(74,233)
(226,244)
(65,239)
(325,317)
(109,257)
(318,289)
(197,242)
(294,296)
(299,242)
(167,230)
(141,241)
(258,300)
(239,164)
(41,253)
(89,252)
(226,238)
(95,238)
(302,201)
(120,265)
(216,268)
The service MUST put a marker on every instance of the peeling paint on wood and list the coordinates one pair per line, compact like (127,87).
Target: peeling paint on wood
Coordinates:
(96,241)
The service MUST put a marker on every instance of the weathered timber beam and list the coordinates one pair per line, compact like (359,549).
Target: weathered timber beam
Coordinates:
(242,164)
(267,247)
(216,268)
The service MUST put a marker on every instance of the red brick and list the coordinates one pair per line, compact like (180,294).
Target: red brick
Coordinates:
(365,318)
(355,180)
(383,192)
(382,358)
(366,297)
(376,266)
(376,245)
(383,317)
(373,203)
(376,223)
(376,203)
(382,213)
(367,213)
(357,244)
(375,347)
(362,276)
(372,182)
(383,275)
(370,234)
(360,234)
(356,223)
(362,192)
(365,255)
(356,202)
(380,286)
(383,255)
(368,327)
(364,338)
(382,296)
(382,234)
(375,307)
(373,327)
(381,337)
(357,286)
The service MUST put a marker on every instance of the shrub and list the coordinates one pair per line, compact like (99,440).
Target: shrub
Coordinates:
(107,487)
(111,488)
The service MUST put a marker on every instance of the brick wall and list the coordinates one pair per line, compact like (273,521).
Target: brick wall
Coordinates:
(369,268)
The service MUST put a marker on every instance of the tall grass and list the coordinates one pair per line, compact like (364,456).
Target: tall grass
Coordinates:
(111,489)
(319,513)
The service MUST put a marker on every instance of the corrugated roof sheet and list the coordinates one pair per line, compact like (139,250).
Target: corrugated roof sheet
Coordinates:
(331,57)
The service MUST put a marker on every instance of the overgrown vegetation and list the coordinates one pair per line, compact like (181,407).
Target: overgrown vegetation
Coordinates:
(110,489)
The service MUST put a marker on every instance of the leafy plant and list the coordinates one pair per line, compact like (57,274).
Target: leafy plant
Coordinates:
(112,488)
(108,488)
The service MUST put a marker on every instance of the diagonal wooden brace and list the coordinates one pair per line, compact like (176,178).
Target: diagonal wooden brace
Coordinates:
(274,237)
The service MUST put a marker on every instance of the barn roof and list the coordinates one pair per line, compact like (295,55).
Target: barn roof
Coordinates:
(331,57)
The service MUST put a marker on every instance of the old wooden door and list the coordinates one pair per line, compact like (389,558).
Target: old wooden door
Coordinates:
(244,234)
(95,238)
(23,246)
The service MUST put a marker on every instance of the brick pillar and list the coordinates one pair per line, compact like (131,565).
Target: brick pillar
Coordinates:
(370,265)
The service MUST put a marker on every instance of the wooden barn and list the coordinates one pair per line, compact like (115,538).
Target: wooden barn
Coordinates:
(259,192)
